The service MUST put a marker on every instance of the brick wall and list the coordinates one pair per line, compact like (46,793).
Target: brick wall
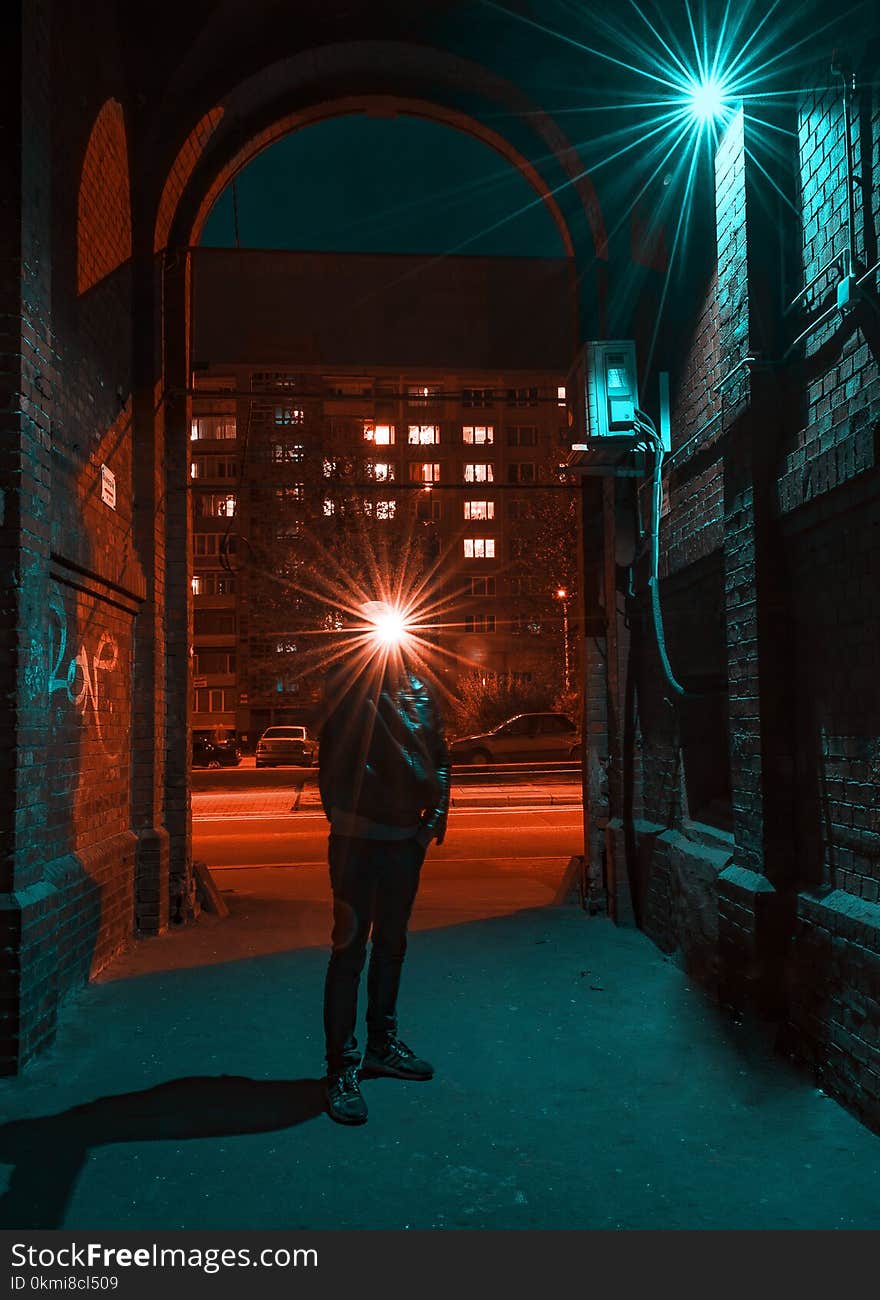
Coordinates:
(69,861)
(771,532)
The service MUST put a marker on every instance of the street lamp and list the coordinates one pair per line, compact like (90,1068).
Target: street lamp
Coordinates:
(562,594)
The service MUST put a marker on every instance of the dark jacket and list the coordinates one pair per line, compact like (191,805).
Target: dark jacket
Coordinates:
(383,754)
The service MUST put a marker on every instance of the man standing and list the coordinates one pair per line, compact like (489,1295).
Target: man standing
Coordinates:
(384,783)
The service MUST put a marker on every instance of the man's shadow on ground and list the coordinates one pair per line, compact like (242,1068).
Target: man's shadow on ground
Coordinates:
(48,1153)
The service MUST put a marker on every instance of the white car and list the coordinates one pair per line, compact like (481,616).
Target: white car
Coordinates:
(285,745)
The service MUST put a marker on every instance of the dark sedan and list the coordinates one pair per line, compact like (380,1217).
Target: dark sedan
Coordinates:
(215,753)
(528,737)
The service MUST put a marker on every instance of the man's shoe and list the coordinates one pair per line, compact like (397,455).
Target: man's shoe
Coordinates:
(394,1058)
(342,1093)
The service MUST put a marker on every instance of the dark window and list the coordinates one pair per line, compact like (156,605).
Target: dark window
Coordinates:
(213,622)
(552,723)
(516,727)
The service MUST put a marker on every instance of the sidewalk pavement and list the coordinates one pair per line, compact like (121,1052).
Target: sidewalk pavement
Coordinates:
(582,1082)
(237,804)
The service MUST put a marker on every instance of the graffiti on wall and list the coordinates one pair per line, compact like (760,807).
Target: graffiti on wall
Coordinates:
(81,672)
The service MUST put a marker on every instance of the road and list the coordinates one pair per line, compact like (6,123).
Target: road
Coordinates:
(270,864)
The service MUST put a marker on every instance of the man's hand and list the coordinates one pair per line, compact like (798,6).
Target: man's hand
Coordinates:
(434,827)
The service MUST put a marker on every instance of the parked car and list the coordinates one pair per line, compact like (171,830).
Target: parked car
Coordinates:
(534,737)
(215,753)
(289,744)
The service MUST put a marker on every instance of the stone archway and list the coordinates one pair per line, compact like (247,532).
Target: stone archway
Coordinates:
(289,96)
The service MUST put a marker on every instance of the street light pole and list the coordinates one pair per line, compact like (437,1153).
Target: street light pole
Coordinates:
(562,594)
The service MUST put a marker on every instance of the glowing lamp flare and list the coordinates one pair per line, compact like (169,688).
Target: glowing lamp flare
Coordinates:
(707,99)
(388,624)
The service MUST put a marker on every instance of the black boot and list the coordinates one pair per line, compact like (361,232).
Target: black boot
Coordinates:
(394,1058)
(342,1093)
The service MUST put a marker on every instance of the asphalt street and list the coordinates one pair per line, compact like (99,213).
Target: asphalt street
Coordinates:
(271,867)
(583,1081)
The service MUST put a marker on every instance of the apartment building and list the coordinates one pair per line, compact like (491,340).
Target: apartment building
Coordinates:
(459,465)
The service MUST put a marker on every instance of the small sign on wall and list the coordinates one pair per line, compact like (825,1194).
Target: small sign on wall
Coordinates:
(108,487)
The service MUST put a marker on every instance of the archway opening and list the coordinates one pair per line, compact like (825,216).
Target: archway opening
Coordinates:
(384,312)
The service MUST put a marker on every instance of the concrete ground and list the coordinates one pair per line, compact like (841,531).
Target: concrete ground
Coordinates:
(582,1082)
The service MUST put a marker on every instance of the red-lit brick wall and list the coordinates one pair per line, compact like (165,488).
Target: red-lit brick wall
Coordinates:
(68,857)
(103,224)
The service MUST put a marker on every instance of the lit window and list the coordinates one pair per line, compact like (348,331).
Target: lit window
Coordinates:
(194,469)
(288,415)
(215,505)
(380,434)
(264,380)
(425,472)
(479,509)
(478,435)
(380,509)
(329,506)
(212,426)
(421,394)
(560,395)
(287,453)
(285,495)
(479,473)
(213,584)
(479,548)
(379,471)
(422,435)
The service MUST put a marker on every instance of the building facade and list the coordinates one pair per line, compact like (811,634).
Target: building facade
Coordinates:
(458,470)
(400,412)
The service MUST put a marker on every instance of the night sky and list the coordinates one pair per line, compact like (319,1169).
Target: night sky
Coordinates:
(403,185)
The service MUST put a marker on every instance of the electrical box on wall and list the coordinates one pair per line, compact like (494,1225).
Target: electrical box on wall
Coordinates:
(612,389)
(603,401)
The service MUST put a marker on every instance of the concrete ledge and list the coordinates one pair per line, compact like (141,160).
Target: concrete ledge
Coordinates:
(742,880)
(844,915)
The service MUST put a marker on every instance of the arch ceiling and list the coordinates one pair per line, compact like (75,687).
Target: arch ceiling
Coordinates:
(383,76)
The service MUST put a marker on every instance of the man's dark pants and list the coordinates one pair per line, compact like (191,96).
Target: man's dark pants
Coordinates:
(374,884)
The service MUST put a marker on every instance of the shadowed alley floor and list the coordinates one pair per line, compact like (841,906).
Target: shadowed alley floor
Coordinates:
(582,1082)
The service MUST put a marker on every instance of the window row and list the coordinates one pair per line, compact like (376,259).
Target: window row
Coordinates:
(215,583)
(211,544)
(222,505)
(214,467)
(517,585)
(518,625)
(472,435)
(213,622)
(216,662)
(416,394)
(214,699)
(220,427)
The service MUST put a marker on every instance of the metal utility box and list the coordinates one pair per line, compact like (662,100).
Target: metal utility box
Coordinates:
(603,397)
